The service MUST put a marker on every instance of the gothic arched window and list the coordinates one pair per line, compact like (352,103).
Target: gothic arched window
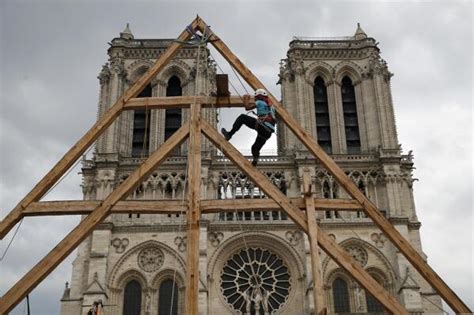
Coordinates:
(340,295)
(141,127)
(374,306)
(323,128)
(168,298)
(173,116)
(351,123)
(132,298)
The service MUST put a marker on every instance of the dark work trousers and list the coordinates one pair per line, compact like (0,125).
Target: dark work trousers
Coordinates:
(263,134)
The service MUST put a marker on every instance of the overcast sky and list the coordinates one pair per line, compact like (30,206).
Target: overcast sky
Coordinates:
(51,53)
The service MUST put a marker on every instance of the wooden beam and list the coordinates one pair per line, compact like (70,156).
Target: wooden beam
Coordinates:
(333,250)
(370,209)
(85,227)
(318,292)
(194,212)
(257,177)
(80,207)
(74,207)
(184,102)
(97,129)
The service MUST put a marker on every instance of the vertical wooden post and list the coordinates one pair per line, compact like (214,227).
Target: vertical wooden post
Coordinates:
(319,305)
(194,212)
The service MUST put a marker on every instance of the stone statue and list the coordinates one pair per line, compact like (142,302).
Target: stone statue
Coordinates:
(248,301)
(148,303)
(257,299)
(359,298)
(266,297)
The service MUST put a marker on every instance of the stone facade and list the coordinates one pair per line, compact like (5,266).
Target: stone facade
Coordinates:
(150,249)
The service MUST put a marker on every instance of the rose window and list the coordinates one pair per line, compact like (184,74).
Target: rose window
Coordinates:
(359,254)
(255,281)
(150,259)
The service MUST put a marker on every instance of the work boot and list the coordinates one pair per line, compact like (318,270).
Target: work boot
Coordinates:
(254,161)
(226,134)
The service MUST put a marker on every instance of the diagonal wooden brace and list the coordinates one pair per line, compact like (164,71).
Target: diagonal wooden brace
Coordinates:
(335,251)
(370,209)
(86,141)
(85,227)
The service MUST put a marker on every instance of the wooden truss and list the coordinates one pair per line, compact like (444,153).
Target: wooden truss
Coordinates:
(97,211)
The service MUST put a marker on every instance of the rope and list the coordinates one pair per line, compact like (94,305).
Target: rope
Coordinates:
(198,59)
(11,241)
(439,308)
(46,194)
(241,98)
(227,172)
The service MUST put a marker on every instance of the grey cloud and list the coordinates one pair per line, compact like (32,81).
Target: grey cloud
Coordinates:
(52,51)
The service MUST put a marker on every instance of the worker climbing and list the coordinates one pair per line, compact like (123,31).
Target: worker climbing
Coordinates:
(264,124)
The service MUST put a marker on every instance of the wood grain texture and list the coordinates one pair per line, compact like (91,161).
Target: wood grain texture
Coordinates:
(81,207)
(318,292)
(194,212)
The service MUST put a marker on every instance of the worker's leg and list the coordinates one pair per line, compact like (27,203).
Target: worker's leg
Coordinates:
(241,120)
(262,137)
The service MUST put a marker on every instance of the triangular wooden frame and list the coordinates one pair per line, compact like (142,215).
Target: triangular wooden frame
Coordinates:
(193,129)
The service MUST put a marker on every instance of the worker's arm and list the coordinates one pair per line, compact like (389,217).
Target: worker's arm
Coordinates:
(247,104)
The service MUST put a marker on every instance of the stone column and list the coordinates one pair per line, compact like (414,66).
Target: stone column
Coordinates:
(117,71)
(203,260)
(362,121)
(386,116)
(338,133)
(370,109)
(104,79)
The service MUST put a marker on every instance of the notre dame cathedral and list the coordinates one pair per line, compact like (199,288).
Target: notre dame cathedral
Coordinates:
(339,91)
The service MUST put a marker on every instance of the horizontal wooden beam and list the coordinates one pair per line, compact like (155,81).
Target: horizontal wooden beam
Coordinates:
(80,207)
(184,102)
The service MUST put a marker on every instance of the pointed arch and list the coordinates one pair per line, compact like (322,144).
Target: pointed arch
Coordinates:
(319,68)
(137,68)
(375,258)
(349,69)
(117,273)
(176,68)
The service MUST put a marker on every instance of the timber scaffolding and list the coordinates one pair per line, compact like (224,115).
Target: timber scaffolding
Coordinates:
(300,210)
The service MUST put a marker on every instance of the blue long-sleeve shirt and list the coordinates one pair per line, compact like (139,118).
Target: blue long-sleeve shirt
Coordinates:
(263,110)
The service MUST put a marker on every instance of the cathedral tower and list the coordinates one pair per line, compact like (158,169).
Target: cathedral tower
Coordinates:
(251,262)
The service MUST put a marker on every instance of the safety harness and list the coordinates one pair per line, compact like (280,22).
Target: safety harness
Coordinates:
(266,117)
